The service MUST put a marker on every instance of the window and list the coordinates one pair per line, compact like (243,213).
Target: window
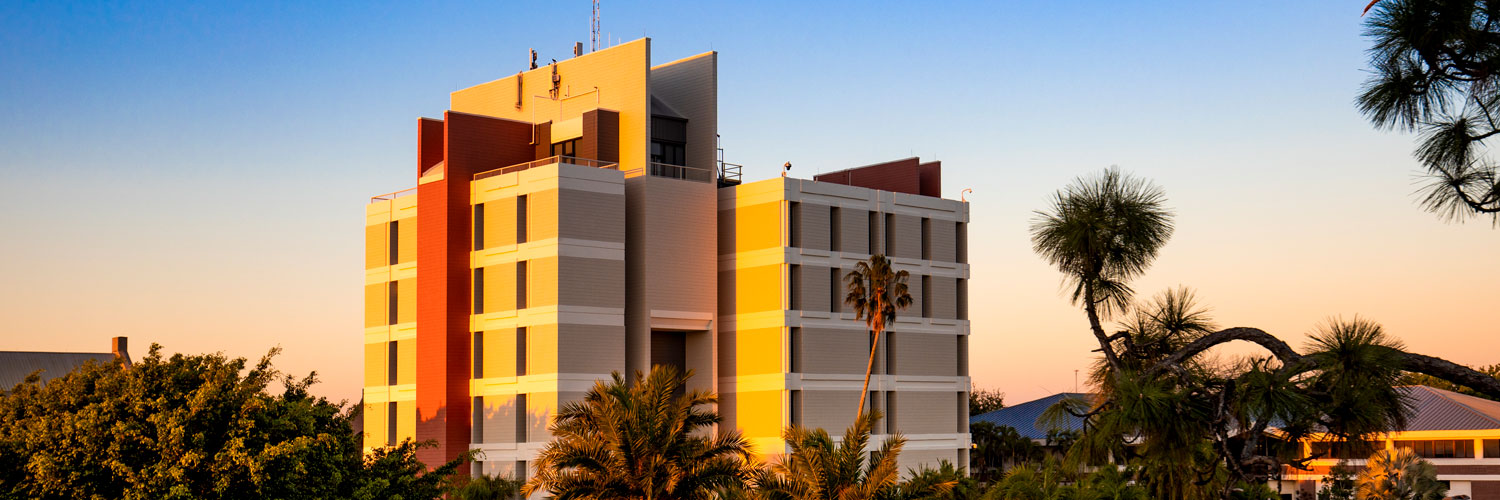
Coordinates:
(890,413)
(794,344)
(872,405)
(479,227)
(478,290)
(390,423)
(963,298)
(520,418)
(874,367)
(390,362)
(1345,451)
(962,366)
(1443,448)
(391,306)
(926,296)
(874,233)
(477,422)
(890,235)
(478,354)
(794,224)
(521,219)
(835,302)
(565,148)
(395,240)
(926,238)
(961,233)
(794,407)
(521,284)
(793,283)
(963,413)
(1492,448)
(835,230)
(669,153)
(890,353)
(520,351)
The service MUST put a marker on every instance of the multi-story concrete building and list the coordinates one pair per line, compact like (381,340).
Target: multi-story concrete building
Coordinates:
(574,220)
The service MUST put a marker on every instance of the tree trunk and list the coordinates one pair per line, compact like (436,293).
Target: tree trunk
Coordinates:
(869,366)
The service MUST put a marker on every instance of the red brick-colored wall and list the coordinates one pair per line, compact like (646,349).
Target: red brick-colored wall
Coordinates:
(601,136)
(1482,490)
(909,176)
(429,143)
(471,144)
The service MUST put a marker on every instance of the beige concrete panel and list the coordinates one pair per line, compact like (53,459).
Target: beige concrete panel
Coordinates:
(922,412)
(377,298)
(542,210)
(500,353)
(815,292)
(406,241)
(944,297)
(856,230)
(377,244)
(500,288)
(944,241)
(833,351)
(375,364)
(499,418)
(673,235)
(375,425)
(925,354)
(908,237)
(542,349)
(591,348)
(590,282)
(500,222)
(690,86)
(910,459)
(815,226)
(406,300)
(541,407)
(588,215)
(406,361)
(406,420)
(830,410)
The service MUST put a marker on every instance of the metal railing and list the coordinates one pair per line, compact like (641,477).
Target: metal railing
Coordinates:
(666,171)
(548,161)
(729,174)
(392,196)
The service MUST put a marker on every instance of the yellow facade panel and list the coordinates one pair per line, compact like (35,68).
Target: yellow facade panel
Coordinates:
(499,287)
(406,300)
(375,364)
(758,289)
(406,420)
(500,353)
(406,361)
(406,240)
(541,215)
(757,226)
(541,282)
(758,351)
(500,222)
(759,414)
(376,246)
(541,349)
(375,425)
(376,298)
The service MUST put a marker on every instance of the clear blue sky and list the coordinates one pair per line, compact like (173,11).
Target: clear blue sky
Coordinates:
(195,174)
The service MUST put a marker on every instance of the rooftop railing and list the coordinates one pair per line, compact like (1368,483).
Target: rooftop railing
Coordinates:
(392,196)
(683,172)
(548,161)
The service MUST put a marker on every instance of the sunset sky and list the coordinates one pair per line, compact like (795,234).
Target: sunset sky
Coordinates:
(195,175)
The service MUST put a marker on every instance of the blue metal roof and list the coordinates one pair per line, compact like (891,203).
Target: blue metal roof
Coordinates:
(1023,416)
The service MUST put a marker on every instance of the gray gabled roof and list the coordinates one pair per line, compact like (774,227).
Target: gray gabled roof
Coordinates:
(16,365)
(1023,416)
(1439,410)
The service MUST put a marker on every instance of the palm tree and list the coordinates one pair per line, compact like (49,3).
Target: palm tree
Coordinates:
(639,440)
(818,469)
(875,293)
(1101,232)
(1399,475)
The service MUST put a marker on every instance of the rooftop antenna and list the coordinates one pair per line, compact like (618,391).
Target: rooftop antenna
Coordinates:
(594,28)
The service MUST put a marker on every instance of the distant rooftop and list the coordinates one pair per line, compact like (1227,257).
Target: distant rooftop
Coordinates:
(1023,416)
(15,366)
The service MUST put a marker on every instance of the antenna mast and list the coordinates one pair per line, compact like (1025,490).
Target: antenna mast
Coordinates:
(594,28)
